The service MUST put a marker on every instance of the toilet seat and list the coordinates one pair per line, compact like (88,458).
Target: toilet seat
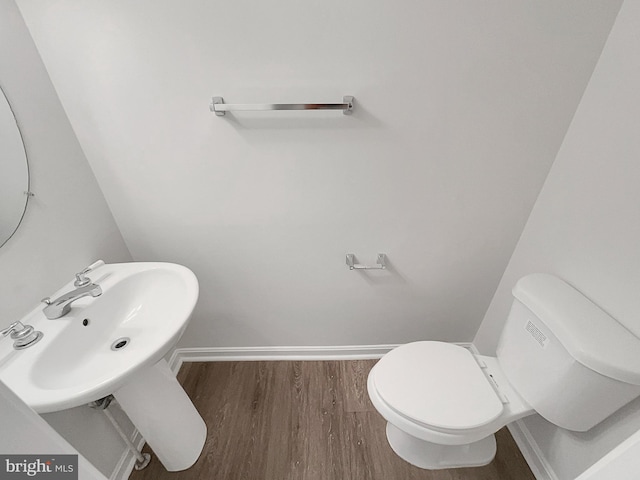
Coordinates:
(407,377)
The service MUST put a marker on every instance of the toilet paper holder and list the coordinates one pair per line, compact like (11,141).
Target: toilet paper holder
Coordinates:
(381,263)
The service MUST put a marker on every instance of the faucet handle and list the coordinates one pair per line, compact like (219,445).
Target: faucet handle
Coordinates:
(23,335)
(46,300)
(81,279)
(15,326)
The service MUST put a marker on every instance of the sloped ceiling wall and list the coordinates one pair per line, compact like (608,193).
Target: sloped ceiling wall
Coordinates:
(584,228)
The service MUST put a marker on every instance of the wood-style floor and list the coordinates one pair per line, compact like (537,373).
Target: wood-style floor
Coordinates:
(304,421)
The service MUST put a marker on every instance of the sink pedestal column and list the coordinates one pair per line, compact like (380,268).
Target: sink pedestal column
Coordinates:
(164,415)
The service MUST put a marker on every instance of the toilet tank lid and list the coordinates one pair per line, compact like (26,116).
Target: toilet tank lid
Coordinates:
(589,334)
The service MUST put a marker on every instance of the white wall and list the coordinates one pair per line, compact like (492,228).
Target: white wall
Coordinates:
(67,224)
(585,229)
(623,463)
(461,108)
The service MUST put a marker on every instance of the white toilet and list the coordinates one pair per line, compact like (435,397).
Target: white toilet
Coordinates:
(559,355)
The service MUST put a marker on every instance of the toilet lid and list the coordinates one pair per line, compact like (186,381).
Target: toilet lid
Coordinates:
(437,384)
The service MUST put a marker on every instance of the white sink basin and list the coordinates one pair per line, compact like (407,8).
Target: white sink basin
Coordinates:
(147,303)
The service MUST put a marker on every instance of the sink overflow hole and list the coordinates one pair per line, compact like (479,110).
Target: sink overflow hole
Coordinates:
(120,343)
(85,322)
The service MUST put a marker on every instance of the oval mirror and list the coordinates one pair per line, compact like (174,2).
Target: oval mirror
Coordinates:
(14,172)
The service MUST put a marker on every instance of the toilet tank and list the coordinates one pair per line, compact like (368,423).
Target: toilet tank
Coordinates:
(570,360)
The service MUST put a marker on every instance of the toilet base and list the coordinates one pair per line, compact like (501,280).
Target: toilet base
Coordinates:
(432,456)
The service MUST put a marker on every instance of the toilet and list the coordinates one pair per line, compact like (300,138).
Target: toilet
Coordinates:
(559,355)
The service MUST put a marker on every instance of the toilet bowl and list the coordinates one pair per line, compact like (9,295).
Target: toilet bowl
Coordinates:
(558,355)
(443,404)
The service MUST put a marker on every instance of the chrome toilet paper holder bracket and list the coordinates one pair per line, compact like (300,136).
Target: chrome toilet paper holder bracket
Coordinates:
(381,263)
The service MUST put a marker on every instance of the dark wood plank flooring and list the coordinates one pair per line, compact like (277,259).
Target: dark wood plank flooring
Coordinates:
(306,420)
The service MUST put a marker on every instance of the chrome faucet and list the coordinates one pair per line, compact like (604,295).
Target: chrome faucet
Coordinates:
(62,305)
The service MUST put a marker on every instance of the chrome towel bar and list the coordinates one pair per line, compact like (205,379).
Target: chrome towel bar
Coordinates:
(220,108)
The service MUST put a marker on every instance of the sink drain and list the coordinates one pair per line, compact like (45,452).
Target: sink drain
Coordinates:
(120,343)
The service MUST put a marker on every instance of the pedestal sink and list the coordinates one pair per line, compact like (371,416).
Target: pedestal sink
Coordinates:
(115,344)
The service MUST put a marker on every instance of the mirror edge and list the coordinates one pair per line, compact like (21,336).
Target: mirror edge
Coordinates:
(28,193)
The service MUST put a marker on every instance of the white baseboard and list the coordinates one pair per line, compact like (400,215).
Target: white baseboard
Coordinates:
(248,354)
(531,452)
(472,348)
